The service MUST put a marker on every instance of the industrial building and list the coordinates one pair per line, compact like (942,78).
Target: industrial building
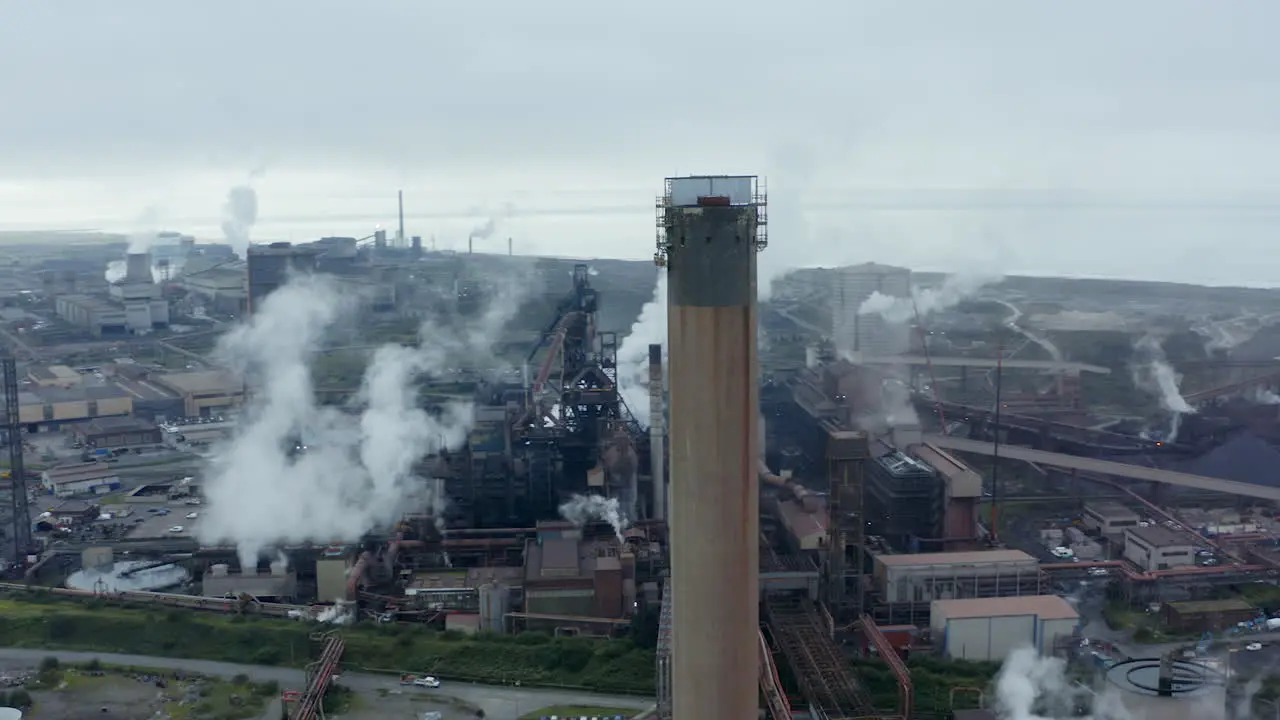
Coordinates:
(269,268)
(220,286)
(905,584)
(90,478)
(1200,616)
(204,393)
(1109,518)
(279,583)
(117,432)
(565,577)
(52,406)
(1158,548)
(905,500)
(870,334)
(988,629)
(53,376)
(134,304)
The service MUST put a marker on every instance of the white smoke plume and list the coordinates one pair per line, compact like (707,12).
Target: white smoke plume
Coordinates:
(1033,687)
(297,471)
(633,353)
(1153,373)
(582,509)
(141,239)
(954,289)
(1264,396)
(239,214)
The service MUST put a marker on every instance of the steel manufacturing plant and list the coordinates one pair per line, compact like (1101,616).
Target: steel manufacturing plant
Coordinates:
(810,494)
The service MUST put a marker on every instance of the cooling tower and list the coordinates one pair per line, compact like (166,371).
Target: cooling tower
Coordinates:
(711,239)
(137,268)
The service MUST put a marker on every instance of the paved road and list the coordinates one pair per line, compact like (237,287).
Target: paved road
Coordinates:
(498,702)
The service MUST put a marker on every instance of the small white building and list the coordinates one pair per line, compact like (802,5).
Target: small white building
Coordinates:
(94,478)
(1158,548)
(1109,518)
(991,628)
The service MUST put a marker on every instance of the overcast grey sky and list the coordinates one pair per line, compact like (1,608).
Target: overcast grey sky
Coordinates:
(1123,138)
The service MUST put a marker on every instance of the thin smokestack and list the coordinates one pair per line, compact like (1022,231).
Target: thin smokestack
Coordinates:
(709,249)
(657,433)
(400,236)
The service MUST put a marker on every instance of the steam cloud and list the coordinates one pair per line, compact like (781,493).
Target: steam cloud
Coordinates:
(582,509)
(1032,687)
(955,289)
(239,214)
(297,471)
(1152,372)
(633,353)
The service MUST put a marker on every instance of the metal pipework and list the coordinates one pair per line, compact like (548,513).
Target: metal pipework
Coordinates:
(710,247)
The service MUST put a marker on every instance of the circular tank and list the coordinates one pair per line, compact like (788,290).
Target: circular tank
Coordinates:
(132,575)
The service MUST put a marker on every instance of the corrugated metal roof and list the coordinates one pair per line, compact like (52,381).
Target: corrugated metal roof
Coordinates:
(954,558)
(1045,607)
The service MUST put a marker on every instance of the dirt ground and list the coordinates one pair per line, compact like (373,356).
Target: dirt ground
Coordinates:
(403,705)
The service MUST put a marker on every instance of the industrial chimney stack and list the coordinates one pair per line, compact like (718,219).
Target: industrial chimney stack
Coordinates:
(657,433)
(712,228)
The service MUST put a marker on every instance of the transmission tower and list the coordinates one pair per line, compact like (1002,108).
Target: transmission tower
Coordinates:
(18,509)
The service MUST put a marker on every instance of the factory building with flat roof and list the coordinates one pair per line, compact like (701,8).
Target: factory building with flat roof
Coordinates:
(988,629)
(1158,548)
(905,584)
(1109,518)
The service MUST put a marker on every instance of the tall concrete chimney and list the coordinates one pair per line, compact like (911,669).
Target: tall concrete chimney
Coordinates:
(400,234)
(711,236)
(657,433)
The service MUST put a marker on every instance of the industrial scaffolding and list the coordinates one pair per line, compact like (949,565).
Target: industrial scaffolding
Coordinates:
(826,678)
(663,655)
(847,453)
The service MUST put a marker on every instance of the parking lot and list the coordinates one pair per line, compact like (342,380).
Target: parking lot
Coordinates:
(157,520)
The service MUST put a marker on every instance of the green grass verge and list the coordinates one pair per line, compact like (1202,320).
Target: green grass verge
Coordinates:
(576,711)
(611,666)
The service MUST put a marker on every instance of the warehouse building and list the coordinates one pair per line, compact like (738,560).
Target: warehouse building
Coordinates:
(905,585)
(1199,616)
(80,479)
(204,393)
(1109,518)
(48,408)
(117,432)
(991,628)
(53,376)
(1158,548)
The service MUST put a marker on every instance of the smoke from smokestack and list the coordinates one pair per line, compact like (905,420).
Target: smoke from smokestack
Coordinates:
(1152,372)
(582,509)
(955,289)
(486,229)
(297,471)
(239,214)
(650,328)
